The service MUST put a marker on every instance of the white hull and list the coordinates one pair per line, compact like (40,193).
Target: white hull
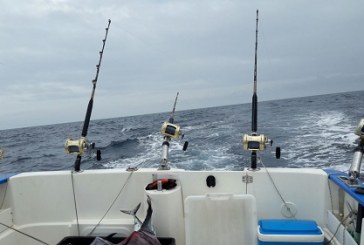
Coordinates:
(42,204)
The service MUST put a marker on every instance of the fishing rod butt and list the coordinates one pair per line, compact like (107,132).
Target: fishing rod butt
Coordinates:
(254,161)
(77,165)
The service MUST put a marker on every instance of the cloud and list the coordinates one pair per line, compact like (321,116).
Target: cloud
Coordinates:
(203,49)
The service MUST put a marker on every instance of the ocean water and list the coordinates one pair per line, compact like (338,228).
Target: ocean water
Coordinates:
(312,131)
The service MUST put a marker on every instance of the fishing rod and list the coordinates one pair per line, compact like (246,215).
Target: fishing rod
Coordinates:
(256,142)
(255,96)
(79,146)
(171,119)
(170,130)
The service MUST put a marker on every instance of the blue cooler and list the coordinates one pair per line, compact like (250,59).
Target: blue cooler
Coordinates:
(292,232)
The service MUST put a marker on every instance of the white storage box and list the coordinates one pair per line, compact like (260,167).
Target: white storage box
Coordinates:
(216,219)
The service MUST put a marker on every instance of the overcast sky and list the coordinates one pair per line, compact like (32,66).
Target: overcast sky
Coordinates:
(202,48)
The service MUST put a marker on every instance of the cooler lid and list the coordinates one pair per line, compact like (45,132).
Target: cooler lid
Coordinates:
(289,227)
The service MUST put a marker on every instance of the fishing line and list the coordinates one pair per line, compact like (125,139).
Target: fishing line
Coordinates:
(25,234)
(75,203)
(279,193)
(112,204)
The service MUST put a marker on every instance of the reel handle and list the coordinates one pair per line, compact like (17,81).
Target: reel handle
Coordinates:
(278,152)
(185,145)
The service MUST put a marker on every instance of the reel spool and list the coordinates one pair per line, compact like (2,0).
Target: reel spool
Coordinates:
(80,146)
(2,153)
(171,130)
(76,146)
(360,129)
(255,142)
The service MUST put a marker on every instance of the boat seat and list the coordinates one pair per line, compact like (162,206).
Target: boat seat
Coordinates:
(221,219)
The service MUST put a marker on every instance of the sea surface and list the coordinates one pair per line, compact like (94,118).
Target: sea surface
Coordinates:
(316,131)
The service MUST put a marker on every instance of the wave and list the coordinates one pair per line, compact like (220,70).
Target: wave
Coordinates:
(21,159)
(121,144)
(314,131)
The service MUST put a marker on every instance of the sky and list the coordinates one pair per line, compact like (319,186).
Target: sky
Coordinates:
(203,49)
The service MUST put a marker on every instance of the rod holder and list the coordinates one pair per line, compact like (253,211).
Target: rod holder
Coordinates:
(164,161)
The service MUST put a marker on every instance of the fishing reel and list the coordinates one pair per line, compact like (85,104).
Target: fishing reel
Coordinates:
(76,146)
(255,142)
(259,142)
(171,130)
(360,129)
(80,146)
(2,153)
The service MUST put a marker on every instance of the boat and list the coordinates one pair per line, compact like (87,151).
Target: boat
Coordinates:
(256,205)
